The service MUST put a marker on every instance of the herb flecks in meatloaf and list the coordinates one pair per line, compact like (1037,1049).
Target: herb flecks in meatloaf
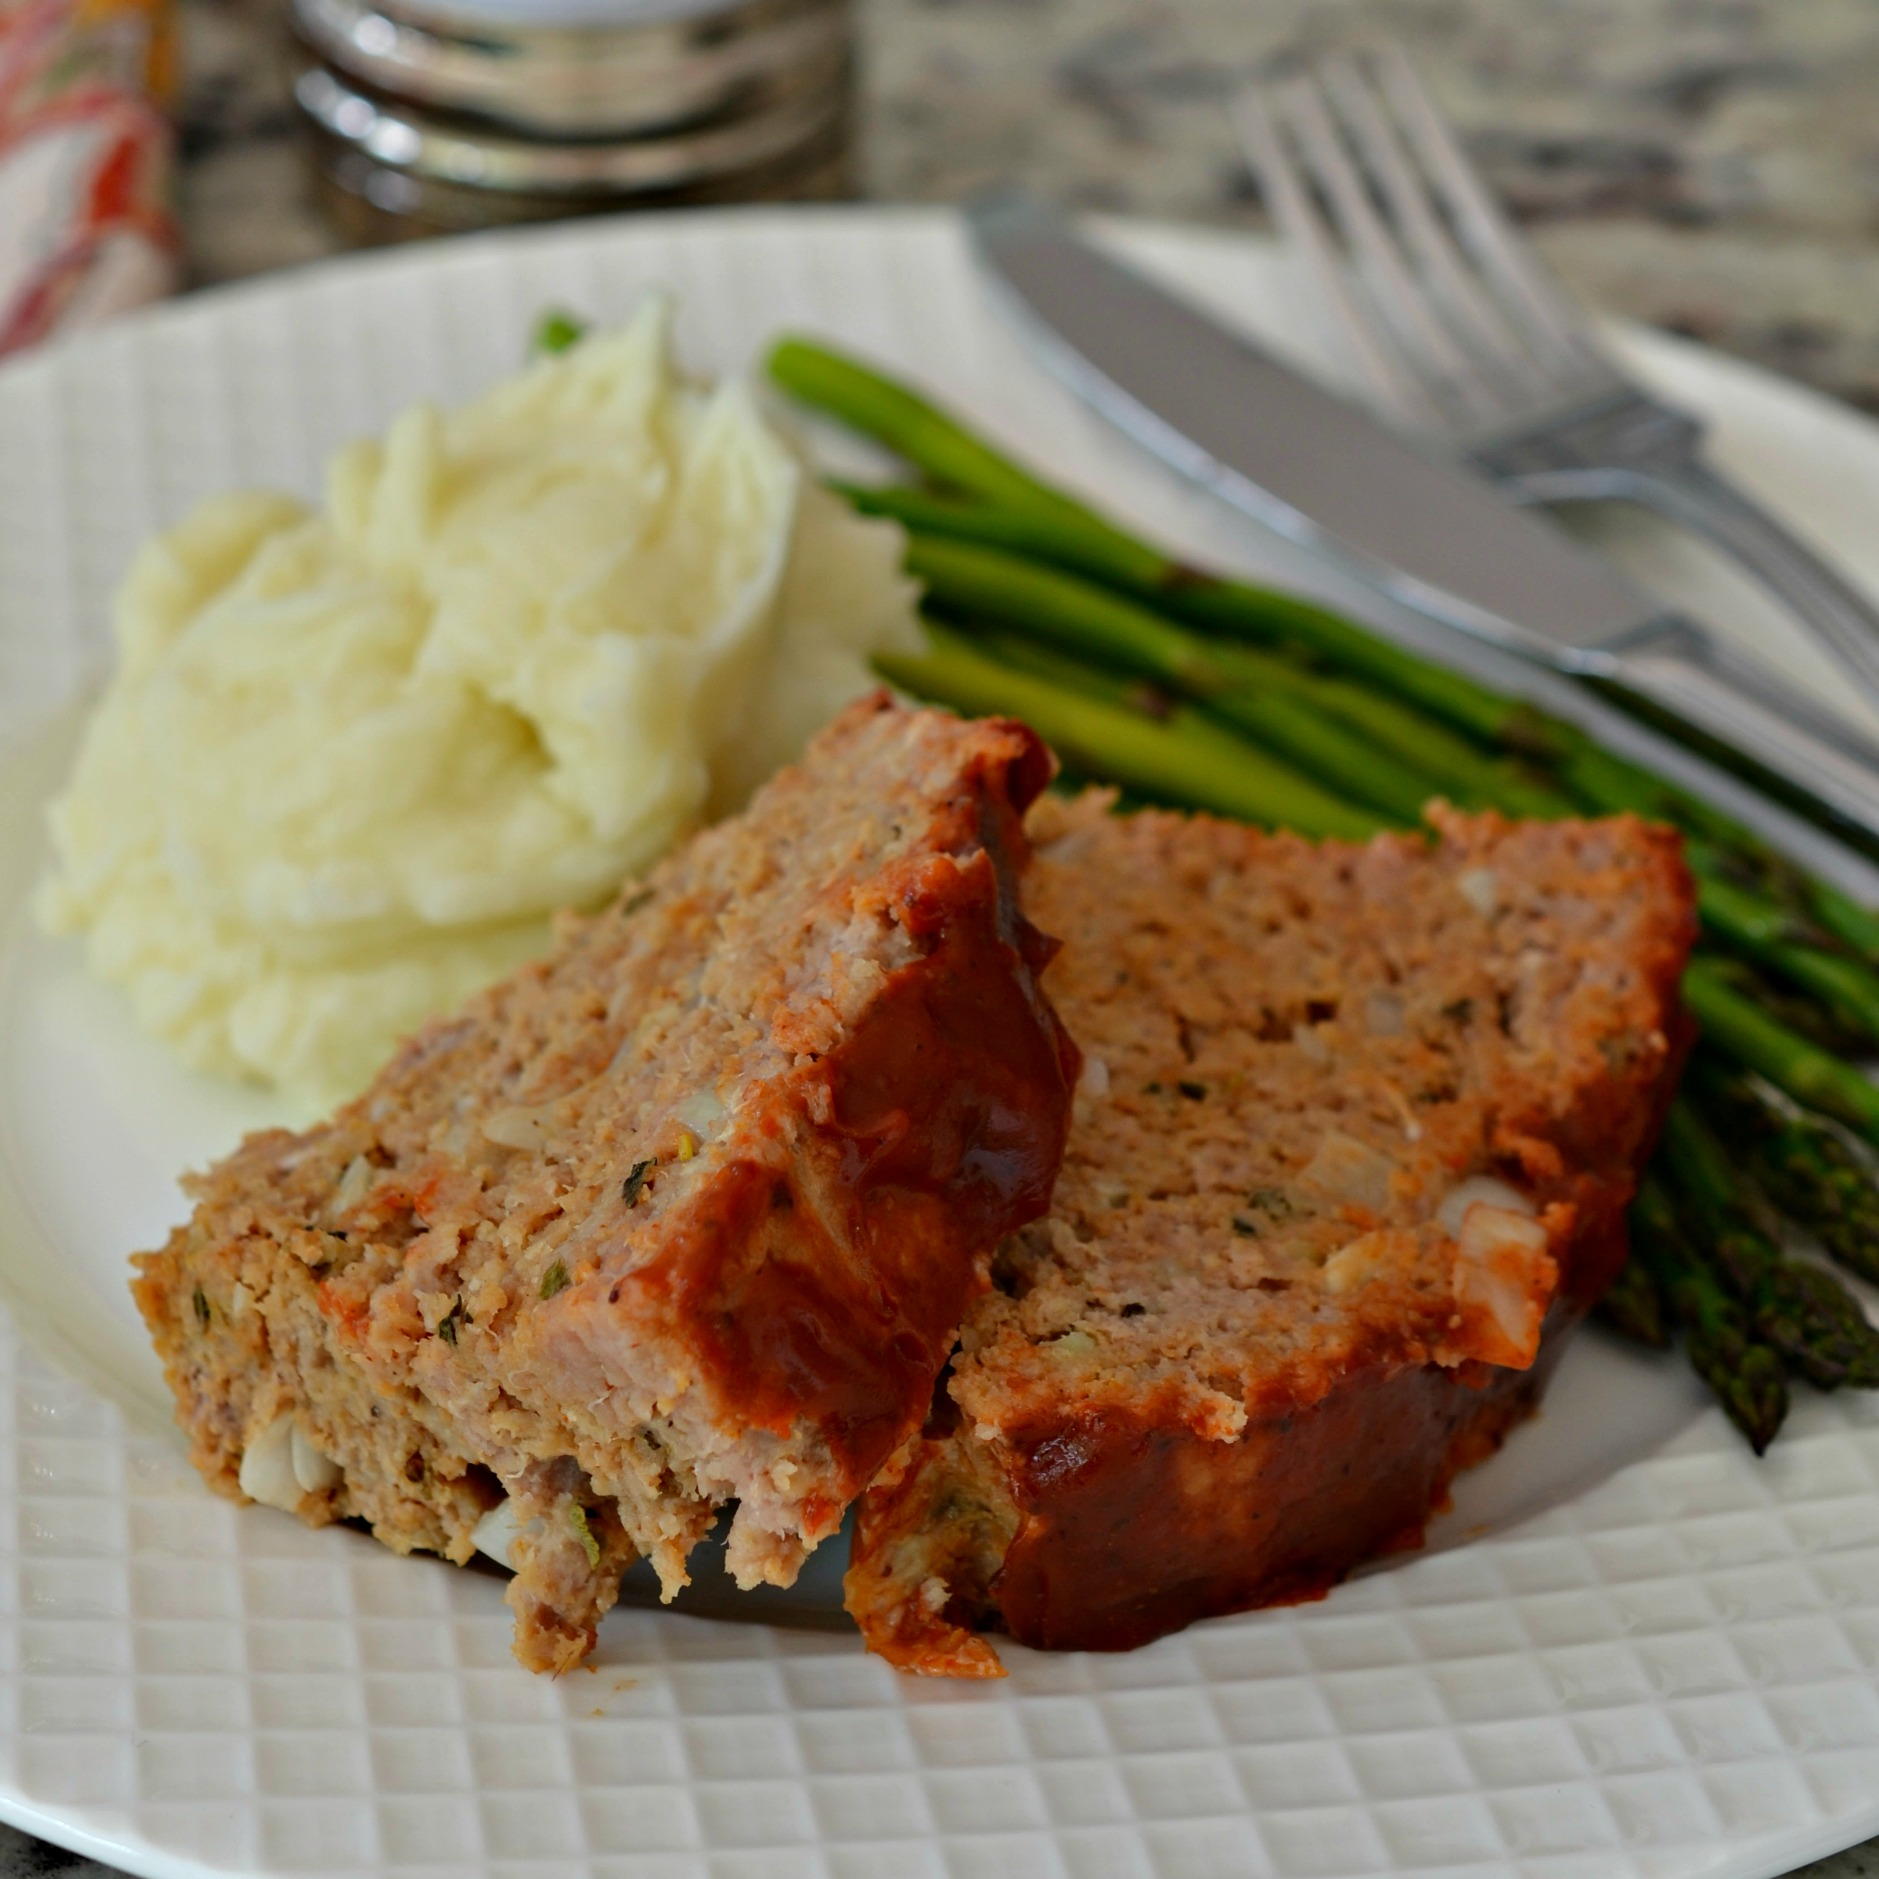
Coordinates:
(1351,1150)
(687,1213)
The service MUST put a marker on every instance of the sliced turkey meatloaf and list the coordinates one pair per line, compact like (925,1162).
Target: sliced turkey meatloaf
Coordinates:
(687,1213)
(1352,1148)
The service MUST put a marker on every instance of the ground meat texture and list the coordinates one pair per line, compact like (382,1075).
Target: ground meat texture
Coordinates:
(687,1213)
(1350,1157)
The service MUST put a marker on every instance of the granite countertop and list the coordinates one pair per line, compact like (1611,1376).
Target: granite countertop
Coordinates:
(1708,165)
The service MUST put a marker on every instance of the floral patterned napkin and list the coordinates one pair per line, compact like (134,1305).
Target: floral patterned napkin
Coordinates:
(85,159)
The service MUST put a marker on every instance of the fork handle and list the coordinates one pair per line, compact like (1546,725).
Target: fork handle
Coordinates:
(1747,704)
(1707,502)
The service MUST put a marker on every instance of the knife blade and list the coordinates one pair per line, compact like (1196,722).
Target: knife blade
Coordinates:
(1411,522)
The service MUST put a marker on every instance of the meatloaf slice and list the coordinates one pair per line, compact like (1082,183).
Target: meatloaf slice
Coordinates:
(689,1212)
(1352,1147)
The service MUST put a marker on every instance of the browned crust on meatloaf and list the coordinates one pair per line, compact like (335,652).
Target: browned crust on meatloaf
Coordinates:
(1263,1390)
(687,1212)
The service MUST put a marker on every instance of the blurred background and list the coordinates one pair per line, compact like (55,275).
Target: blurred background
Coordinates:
(1711,166)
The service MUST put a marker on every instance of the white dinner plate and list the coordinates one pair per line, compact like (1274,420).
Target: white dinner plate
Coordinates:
(1630,1649)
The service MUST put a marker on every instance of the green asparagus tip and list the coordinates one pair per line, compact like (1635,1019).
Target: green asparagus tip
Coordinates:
(1746,1377)
(1751,1383)
(556,331)
(1634,1307)
(1180,758)
(1807,1313)
(1819,1175)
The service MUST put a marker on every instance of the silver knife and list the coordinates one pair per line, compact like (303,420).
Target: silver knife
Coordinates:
(1415,524)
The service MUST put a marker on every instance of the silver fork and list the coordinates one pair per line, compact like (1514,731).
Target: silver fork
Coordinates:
(1469,339)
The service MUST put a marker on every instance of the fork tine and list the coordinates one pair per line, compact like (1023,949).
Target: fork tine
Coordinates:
(1397,297)
(1499,249)
(1289,203)
(1449,278)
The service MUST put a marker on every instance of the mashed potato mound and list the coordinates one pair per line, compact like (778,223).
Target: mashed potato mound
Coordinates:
(352,758)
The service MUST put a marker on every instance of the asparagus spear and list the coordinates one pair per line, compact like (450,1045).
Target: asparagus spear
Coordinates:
(970,578)
(1843,916)
(1746,1375)
(897,416)
(1805,1016)
(1814,1078)
(1185,759)
(1077,614)
(1465,773)
(1802,1310)
(1815,1175)
(1768,932)
(1634,1307)
(1387,753)
(1237,609)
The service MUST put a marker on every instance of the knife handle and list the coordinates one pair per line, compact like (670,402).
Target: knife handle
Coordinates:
(1747,703)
